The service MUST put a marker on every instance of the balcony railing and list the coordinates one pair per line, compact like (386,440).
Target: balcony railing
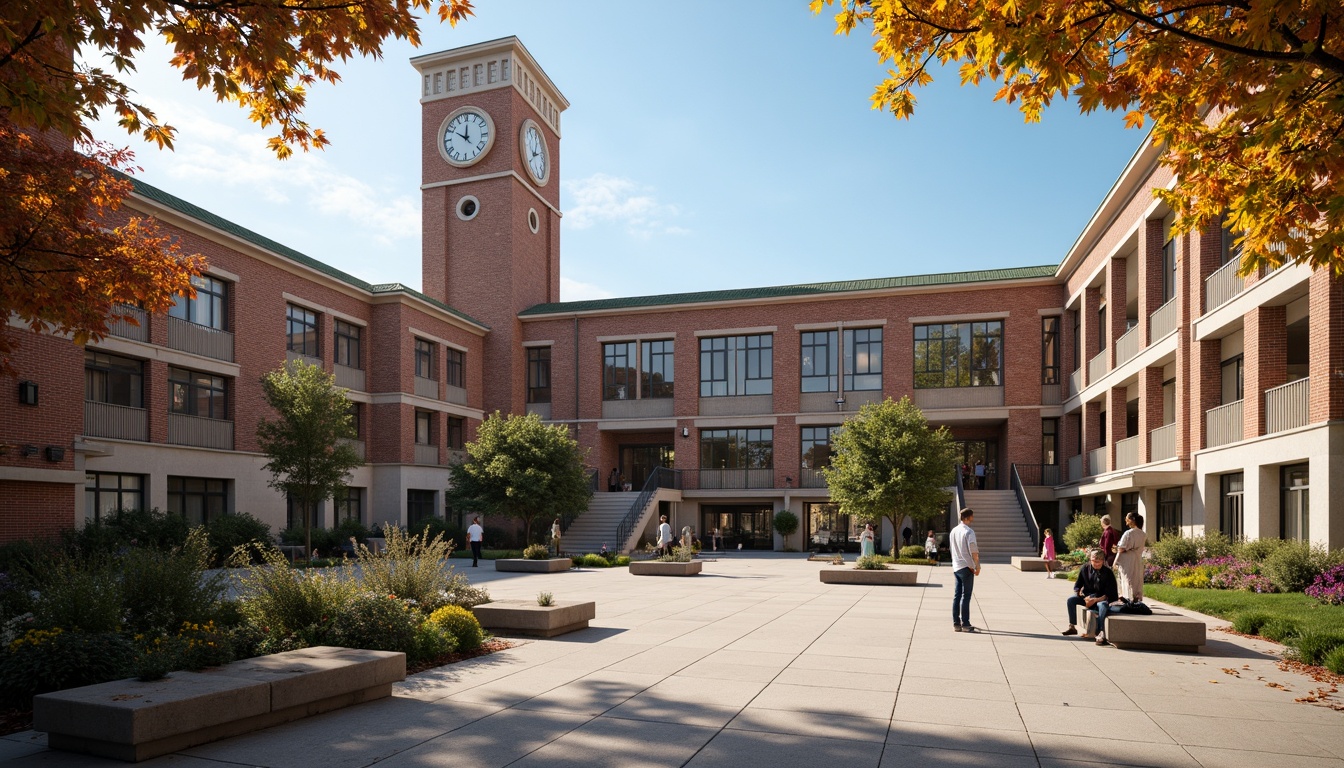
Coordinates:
(1223,425)
(727,479)
(200,431)
(959,397)
(118,325)
(811,478)
(427,454)
(427,387)
(1163,320)
(349,378)
(1097,367)
(358,445)
(1223,286)
(1097,461)
(1076,381)
(1162,443)
(1127,452)
(456,395)
(1127,346)
(1038,474)
(1075,468)
(1287,407)
(199,339)
(116,421)
(1051,394)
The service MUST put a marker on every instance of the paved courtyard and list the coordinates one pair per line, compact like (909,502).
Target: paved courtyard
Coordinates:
(756,663)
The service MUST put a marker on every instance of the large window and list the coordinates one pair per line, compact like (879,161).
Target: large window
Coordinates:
(347,345)
(424,359)
(301,329)
(1169,271)
(1103,330)
(656,373)
(350,505)
(1049,441)
(959,355)
(419,505)
(208,308)
(1049,350)
(1231,516)
(456,429)
(737,448)
(618,370)
(737,365)
(1230,250)
(198,394)
(105,493)
(113,380)
(1168,511)
(538,374)
(356,419)
(819,362)
(457,369)
(1295,509)
(1234,377)
(1077,339)
(424,428)
(198,499)
(863,359)
(816,447)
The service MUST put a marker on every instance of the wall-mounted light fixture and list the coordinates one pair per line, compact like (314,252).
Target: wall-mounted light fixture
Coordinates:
(685,432)
(840,403)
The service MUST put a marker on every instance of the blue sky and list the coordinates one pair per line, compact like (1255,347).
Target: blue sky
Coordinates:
(707,146)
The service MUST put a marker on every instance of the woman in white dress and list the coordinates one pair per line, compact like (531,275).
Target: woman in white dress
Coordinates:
(866,541)
(1129,558)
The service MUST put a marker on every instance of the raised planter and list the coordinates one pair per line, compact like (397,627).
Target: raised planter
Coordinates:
(659,568)
(520,565)
(1030,563)
(132,721)
(521,618)
(890,577)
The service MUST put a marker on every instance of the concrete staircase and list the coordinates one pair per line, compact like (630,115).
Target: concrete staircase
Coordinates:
(597,526)
(1000,529)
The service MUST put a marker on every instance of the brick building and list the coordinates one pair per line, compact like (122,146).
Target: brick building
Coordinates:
(1138,373)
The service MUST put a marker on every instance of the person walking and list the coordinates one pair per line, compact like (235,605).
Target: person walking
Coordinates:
(475,535)
(906,535)
(965,476)
(664,536)
(979,475)
(866,546)
(965,567)
(1094,588)
(614,481)
(555,536)
(931,548)
(1048,554)
(1109,538)
(1129,558)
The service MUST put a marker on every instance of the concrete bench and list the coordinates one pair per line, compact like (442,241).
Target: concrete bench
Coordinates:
(520,618)
(889,577)
(519,565)
(1163,631)
(133,721)
(658,568)
(1033,564)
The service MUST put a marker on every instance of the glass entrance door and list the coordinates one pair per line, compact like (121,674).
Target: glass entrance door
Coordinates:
(972,451)
(747,525)
(637,461)
(1296,509)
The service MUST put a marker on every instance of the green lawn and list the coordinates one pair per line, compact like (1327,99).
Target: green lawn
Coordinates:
(1225,603)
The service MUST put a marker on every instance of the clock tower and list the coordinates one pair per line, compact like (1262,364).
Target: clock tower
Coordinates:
(490,193)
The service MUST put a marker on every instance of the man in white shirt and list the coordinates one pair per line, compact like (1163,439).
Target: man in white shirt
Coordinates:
(664,536)
(965,566)
(475,534)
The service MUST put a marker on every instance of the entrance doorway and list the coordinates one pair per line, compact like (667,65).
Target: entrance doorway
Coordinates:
(637,461)
(745,524)
(1295,515)
(971,451)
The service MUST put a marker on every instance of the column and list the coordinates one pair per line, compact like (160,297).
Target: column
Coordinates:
(1150,272)
(1091,303)
(1266,361)
(1150,409)
(1326,310)
(1116,298)
(1115,418)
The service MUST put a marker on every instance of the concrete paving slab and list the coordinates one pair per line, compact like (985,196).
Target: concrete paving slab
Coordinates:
(933,686)
(830,727)
(490,742)
(1109,751)
(591,694)
(1121,725)
(1220,731)
(902,757)
(975,713)
(615,743)
(733,748)
(959,737)
(1210,757)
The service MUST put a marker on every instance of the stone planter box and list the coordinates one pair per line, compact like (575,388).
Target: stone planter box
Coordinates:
(133,721)
(656,568)
(1031,564)
(519,565)
(520,618)
(891,577)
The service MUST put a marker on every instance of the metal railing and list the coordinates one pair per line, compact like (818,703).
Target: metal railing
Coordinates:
(727,479)
(811,478)
(456,395)
(593,473)
(426,387)
(958,500)
(1162,443)
(1163,320)
(202,340)
(1127,452)
(1075,468)
(119,324)
(1224,424)
(1023,504)
(1051,394)
(1128,346)
(427,454)
(1097,461)
(1076,381)
(120,422)
(1097,368)
(660,477)
(200,431)
(348,378)
(1223,285)
(1038,474)
(1288,406)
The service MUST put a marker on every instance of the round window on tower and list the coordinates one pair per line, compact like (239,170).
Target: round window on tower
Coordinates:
(468,207)
(533,220)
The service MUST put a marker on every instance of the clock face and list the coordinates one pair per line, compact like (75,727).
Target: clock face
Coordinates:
(535,156)
(467,135)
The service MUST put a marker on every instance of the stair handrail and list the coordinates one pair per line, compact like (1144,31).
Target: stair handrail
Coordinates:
(1033,528)
(958,499)
(660,477)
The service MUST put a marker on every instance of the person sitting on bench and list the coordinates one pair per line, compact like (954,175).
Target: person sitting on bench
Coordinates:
(1094,588)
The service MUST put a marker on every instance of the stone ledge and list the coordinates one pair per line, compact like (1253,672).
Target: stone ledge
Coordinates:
(888,577)
(1030,563)
(132,720)
(657,568)
(1163,631)
(520,565)
(521,618)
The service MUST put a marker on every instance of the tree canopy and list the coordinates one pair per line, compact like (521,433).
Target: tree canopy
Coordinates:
(887,462)
(304,446)
(1246,99)
(520,468)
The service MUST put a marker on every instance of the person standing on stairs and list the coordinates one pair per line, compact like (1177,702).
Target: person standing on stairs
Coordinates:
(979,475)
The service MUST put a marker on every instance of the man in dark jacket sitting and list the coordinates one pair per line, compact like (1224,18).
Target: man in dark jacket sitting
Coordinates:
(1095,588)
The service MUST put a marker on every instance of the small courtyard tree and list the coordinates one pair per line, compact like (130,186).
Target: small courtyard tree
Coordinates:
(887,462)
(523,469)
(306,456)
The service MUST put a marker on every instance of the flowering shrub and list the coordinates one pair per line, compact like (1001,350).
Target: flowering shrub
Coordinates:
(1226,572)
(1329,586)
(536,552)
(376,622)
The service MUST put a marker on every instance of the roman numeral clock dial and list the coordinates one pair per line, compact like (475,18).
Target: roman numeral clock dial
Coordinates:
(536,157)
(466,136)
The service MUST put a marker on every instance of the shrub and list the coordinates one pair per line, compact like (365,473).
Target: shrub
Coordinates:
(1083,532)
(785,523)
(1191,577)
(1294,565)
(78,593)
(205,645)
(594,561)
(461,624)
(432,641)
(51,660)
(156,657)
(1334,660)
(1213,544)
(285,602)
(411,567)
(1174,549)
(1279,629)
(679,555)
(1311,646)
(228,532)
(1249,622)
(376,622)
(870,563)
(545,598)
(1256,550)
(458,591)
(163,589)
(914,551)
(536,552)
(621,560)
(1328,587)
(129,528)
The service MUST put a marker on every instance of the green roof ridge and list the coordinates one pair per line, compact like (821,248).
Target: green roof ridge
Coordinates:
(801,289)
(151,192)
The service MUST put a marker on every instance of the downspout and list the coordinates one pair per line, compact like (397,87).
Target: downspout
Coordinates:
(576,379)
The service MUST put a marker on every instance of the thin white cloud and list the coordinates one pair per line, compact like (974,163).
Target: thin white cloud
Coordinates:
(601,199)
(573,290)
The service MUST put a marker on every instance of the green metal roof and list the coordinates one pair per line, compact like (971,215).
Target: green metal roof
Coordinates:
(789,291)
(149,192)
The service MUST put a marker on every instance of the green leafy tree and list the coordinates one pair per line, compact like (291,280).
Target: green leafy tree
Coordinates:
(786,524)
(523,469)
(887,462)
(307,457)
